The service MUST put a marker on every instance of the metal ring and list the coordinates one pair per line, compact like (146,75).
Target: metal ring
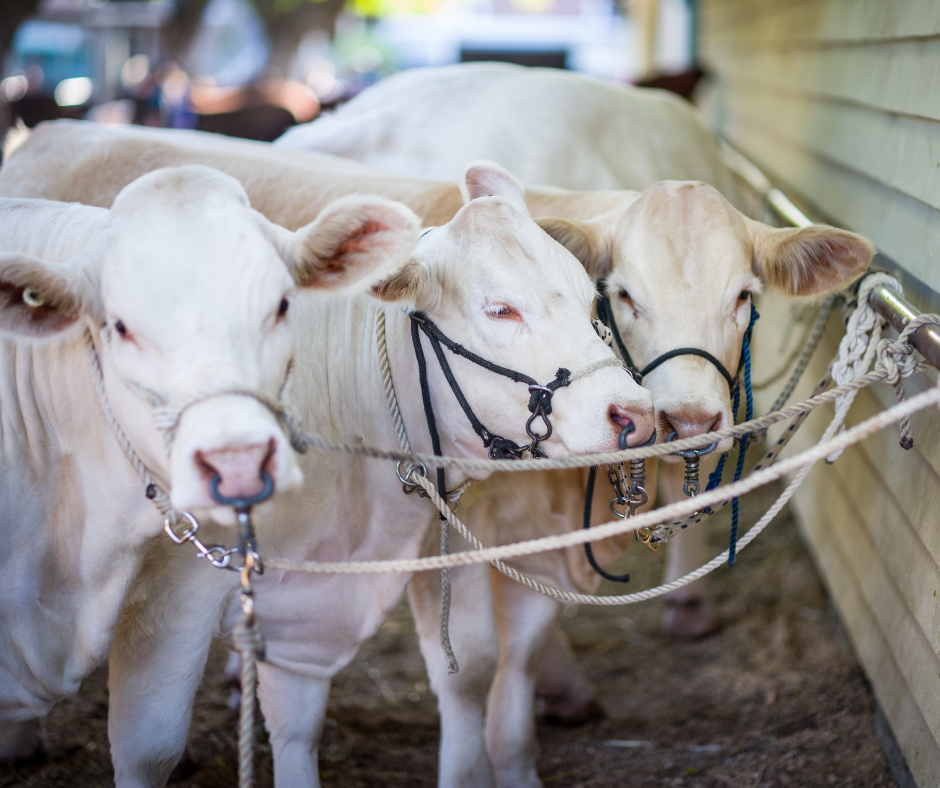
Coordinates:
(613,503)
(406,478)
(691,454)
(188,534)
(242,503)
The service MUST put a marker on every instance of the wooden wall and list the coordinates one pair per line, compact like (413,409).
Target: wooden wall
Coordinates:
(838,101)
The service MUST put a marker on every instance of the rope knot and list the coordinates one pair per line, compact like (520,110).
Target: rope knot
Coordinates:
(503,449)
(248,638)
(897,360)
(603,331)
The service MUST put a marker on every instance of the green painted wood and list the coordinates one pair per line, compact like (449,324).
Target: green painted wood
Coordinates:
(800,23)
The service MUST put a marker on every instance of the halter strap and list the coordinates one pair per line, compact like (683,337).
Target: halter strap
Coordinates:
(605,314)
(689,351)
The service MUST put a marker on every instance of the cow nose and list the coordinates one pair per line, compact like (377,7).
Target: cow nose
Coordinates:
(686,423)
(239,468)
(622,417)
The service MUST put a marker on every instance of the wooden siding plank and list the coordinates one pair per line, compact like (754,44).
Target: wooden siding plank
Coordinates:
(904,228)
(770,22)
(897,541)
(898,77)
(872,646)
(900,152)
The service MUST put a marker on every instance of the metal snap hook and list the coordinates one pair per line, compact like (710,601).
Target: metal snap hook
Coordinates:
(535,436)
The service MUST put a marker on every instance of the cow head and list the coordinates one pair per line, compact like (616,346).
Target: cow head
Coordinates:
(681,266)
(494,282)
(187,295)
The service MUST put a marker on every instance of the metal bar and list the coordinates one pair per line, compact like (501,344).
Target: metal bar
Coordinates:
(888,303)
(899,312)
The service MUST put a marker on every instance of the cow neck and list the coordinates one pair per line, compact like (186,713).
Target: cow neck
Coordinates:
(49,415)
(69,521)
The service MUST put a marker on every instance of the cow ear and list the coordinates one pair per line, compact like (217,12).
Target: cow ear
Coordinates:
(583,241)
(488,179)
(38,300)
(810,260)
(353,243)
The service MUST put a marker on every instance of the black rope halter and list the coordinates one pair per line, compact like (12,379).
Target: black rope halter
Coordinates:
(605,314)
(540,396)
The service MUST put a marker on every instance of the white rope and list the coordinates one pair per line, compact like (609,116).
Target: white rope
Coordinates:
(399,424)
(675,510)
(854,357)
(858,346)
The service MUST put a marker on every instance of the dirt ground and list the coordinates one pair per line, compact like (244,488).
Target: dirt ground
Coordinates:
(776,698)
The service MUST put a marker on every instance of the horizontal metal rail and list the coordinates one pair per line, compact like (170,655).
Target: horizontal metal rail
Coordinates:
(886,301)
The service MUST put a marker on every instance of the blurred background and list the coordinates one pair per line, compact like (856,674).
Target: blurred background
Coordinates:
(252,68)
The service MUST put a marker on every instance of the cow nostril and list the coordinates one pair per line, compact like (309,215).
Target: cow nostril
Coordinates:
(619,416)
(237,471)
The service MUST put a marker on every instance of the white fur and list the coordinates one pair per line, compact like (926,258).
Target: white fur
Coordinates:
(489,252)
(194,274)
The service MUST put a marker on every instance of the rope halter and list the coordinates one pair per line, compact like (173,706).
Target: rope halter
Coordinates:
(540,396)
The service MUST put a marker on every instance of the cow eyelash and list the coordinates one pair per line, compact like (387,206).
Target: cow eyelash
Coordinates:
(503,312)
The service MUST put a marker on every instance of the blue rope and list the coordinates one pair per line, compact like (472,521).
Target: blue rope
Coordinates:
(714,478)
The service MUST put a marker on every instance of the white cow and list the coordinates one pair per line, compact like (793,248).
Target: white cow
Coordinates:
(182,290)
(491,279)
(680,264)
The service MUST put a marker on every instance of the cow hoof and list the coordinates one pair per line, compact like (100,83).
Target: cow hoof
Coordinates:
(20,740)
(569,713)
(689,619)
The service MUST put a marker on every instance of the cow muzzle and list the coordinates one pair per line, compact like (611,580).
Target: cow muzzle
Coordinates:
(230,448)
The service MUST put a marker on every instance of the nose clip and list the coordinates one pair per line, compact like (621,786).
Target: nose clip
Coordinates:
(691,457)
(247,544)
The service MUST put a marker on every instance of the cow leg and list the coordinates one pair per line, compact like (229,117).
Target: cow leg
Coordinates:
(20,739)
(294,710)
(689,610)
(524,619)
(154,668)
(461,697)
(566,694)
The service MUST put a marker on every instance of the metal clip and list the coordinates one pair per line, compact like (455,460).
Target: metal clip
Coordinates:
(407,485)
(692,458)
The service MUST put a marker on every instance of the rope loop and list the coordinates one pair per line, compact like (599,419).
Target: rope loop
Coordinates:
(896,358)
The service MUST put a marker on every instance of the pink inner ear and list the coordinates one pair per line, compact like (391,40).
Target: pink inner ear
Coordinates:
(354,244)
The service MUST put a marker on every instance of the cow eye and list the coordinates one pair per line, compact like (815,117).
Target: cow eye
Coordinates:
(120,328)
(282,309)
(623,294)
(744,295)
(503,312)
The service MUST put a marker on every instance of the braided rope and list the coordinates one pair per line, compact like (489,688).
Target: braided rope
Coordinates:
(860,343)
(897,359)
(678,509)
(399,424)
(470,464)
(249,643)
(155,492)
